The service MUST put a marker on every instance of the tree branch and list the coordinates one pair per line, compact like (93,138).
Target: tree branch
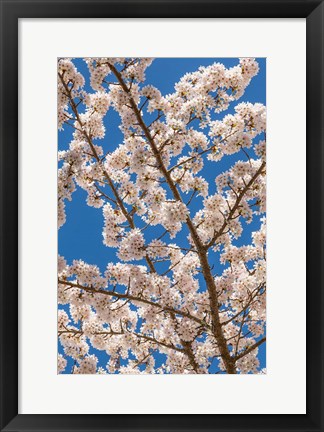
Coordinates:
(217,328)
(253,347)
(134,299)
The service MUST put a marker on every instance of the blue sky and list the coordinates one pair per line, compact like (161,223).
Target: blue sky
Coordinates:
(81,236)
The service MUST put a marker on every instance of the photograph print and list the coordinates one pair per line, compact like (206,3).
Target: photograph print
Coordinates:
(161,215)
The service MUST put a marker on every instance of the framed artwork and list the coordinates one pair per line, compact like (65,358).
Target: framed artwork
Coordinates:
(145,283)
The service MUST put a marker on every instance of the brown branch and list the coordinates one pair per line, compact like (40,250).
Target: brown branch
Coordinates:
(236,205)
(245,307)
(153,340)
(189,352)
(217,328)
(134,299)
(201,153)
(99,161)
(253,347)
(122,333)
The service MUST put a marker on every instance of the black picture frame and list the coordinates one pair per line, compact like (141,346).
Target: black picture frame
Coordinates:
(11,11)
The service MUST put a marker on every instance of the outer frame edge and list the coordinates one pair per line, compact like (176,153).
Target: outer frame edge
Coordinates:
(9,208)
